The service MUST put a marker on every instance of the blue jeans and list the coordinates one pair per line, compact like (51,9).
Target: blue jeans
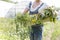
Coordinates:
(36,33)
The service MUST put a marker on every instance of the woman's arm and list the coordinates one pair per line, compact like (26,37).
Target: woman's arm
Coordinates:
(25,10)
(43,7)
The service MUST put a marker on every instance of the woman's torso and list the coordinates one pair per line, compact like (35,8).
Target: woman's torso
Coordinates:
(37,8)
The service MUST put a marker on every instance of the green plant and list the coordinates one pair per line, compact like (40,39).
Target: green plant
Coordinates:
(6,0)
(23,22)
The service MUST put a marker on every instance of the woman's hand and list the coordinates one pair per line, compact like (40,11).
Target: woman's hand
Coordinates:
(25,10)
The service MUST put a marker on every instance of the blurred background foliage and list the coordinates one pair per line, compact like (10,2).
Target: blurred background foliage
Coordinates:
(10,1)
(6,0)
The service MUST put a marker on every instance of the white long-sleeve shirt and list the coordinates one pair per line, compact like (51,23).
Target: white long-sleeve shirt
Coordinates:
(40,9)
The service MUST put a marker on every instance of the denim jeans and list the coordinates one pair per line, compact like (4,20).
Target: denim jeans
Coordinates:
(36,33)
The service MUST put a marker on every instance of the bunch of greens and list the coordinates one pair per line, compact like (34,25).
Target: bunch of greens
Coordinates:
(22,25)
(49,14)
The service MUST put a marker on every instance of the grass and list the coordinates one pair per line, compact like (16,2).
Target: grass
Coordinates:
(7,30)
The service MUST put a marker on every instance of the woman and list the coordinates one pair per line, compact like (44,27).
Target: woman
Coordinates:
(35,8)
